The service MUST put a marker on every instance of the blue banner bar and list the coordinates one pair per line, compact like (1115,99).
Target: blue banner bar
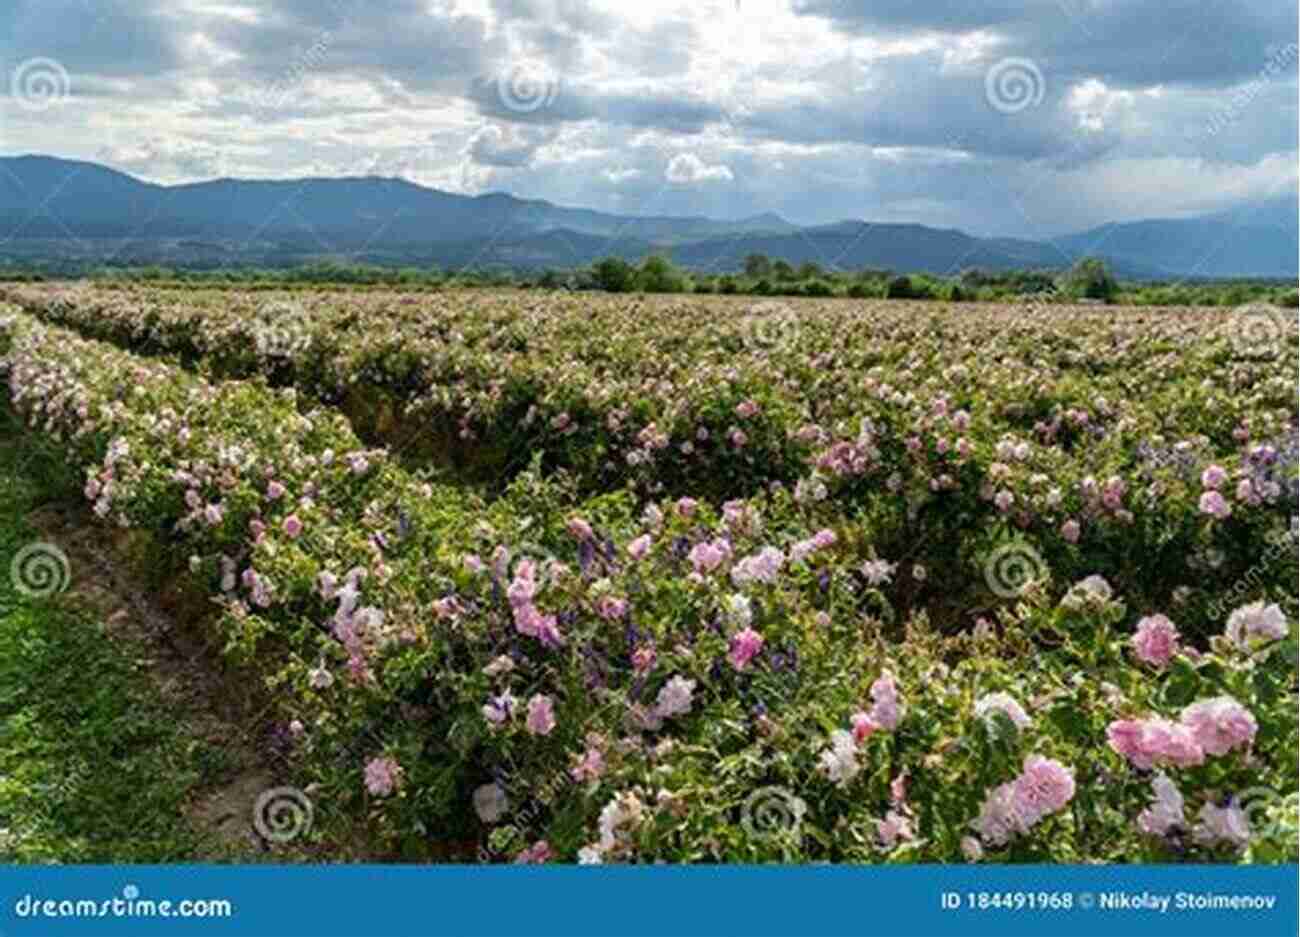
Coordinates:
(533,901)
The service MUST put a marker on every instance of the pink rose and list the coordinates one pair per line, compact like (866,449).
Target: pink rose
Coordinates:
(863,727)
(744,646)
(611,608)
(1220,724)
(383,775)
(1215,505)
(1213,477)
(1155,641)
(541,715)
(1155,741)
(886,711)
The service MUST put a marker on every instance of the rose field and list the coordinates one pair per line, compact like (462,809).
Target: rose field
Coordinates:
(569,577)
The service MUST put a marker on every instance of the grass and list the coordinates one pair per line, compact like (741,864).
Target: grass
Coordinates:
(94,766)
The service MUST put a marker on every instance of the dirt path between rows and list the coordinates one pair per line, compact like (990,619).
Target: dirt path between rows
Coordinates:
(189,676)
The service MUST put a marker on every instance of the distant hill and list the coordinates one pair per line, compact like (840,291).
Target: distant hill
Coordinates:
(46,197)
(1253,241)
(67,210)
(853,245)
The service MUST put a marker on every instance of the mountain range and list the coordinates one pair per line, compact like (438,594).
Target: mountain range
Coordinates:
(78,212)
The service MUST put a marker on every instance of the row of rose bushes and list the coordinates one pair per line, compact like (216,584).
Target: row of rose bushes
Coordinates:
(1141,444)
(545,677)
(719,391)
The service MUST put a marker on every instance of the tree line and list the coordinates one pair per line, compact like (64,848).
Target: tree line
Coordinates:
(1088,279)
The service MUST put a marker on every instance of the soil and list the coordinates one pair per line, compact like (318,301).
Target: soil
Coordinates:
(189,675)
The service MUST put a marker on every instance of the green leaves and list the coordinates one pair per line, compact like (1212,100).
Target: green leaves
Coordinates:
(1071,720)
(1181,685)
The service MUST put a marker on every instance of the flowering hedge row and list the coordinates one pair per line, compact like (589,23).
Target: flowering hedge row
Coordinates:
(1158,448)
(548,676)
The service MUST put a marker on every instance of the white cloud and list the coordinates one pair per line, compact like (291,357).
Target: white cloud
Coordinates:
(816,109)
(617,176)
(507,146)
(687,168)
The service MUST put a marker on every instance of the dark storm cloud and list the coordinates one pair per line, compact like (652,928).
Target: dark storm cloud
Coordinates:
(404,40)
(920,101)
(1121,42)
(104,37)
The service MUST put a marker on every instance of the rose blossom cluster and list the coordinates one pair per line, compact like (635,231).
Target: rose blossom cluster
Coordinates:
(1155,641)
(1209,727)
(528,620)
(1043,787)
(383,776)
(839,763)
(1256,622)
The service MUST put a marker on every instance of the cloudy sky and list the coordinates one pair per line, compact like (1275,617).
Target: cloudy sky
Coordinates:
(1027,117)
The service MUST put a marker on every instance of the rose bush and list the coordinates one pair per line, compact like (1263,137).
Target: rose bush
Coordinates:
(553,673)
(1143,445)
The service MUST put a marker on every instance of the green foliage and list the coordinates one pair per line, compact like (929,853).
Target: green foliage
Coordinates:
(614,275)
(94,766)
(931,442)
(757,266)
(658,275)
(1090,278)
(900,288)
